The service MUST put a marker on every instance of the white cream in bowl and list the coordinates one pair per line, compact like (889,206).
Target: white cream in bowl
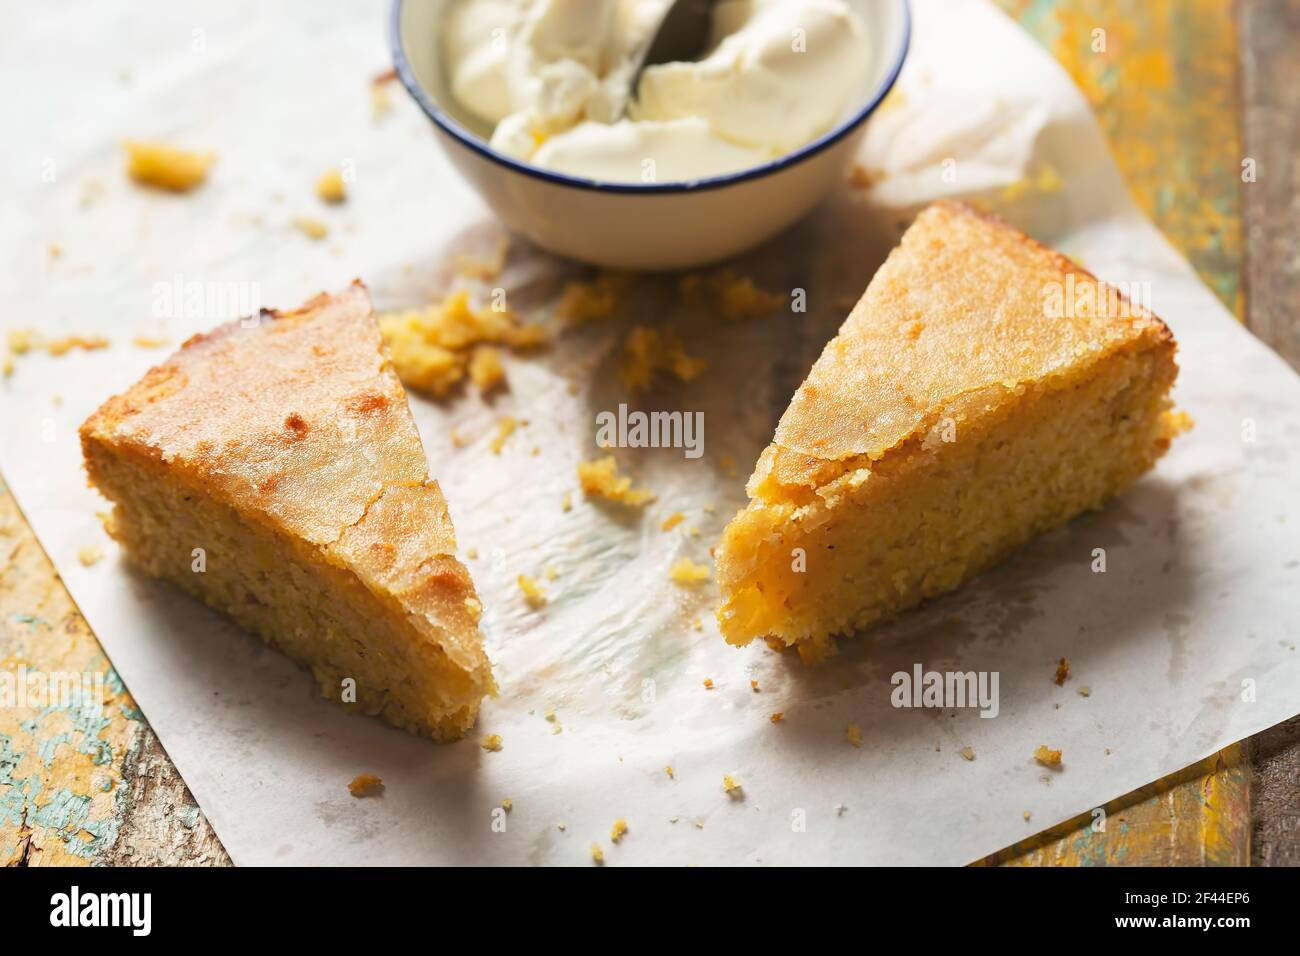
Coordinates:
(552,78)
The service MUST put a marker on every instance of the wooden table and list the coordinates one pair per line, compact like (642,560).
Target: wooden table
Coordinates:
(79,791)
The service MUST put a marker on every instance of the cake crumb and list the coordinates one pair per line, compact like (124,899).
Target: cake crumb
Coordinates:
(1047,757)
(506,426)
(600,478)
(485,369)
(647,351)
(708,683)
(366,785)
(1062,672)
(566,503)
(311,227)
(66,343)
(21,341)
(492,743)
(1085,691)
(686,571)
(91,554)
(1027,816)
(840,809)
(331,188)
(732,787)
(150,341)
(533,593)
(855,735)
(597,855)
(592,300)
(561,827)
(432,347)
(753,685)
(733,297)
(698,823)
(618,830)
(967,753)
(673,520)
(507,804)
(669,770)
(165,167)
(777,717)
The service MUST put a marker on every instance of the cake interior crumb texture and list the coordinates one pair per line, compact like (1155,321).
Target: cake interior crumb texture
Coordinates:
(956,415)
(272,469)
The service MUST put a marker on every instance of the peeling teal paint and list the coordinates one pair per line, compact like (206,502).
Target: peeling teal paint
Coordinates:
(132,713)
(88,720)
(188,816)
(113,682)
(13,799)
(65,811)
(67,816)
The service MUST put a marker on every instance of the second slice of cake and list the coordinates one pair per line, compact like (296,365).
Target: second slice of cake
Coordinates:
(984,390)
(271,468)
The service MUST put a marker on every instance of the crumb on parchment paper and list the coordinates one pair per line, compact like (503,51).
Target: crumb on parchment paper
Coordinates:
(534,595)
(366,785)
(600,479)
(1047,757)
(685,571)
(166,167)
(331,188)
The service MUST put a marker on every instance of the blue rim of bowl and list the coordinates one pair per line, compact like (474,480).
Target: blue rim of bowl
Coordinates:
(453,129)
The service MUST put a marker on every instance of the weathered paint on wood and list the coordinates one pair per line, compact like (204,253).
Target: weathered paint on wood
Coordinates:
(1270,90)
(1162,79)
(80,782)
(1198,817)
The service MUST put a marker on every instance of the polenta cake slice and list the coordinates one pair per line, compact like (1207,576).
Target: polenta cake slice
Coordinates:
(271,468)
(984,390)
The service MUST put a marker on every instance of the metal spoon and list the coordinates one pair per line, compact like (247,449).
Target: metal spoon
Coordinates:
(682,35)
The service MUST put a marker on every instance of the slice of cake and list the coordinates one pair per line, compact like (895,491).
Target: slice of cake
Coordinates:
(984,390)
(271,468)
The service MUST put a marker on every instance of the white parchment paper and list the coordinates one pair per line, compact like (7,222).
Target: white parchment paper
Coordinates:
(1201,591)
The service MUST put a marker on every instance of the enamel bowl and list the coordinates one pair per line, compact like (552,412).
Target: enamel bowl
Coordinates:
(635,226)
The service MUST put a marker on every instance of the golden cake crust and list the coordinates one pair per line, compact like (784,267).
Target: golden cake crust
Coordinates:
(311,446)
(297,421)
(908,354)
